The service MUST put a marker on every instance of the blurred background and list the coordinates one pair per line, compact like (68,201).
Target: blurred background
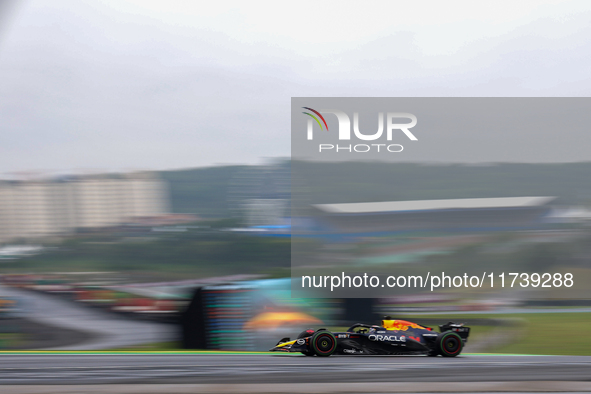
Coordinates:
(145,185)
(179,259)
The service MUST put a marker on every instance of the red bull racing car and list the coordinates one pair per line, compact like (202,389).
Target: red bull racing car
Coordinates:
(393,337)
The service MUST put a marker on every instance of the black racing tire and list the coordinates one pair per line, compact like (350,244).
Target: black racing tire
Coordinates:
(449,344)
(323,343)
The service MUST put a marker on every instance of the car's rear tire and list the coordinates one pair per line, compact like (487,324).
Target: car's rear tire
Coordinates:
(323,343)
(449,344)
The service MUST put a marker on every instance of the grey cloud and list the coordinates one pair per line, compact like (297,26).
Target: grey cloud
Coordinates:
(85,87)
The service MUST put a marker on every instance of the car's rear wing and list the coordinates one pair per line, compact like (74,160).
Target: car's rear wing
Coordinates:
(459,328)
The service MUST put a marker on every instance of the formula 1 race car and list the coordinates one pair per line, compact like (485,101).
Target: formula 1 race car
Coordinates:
(393,337)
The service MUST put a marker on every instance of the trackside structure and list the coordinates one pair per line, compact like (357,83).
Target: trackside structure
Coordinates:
(457,215)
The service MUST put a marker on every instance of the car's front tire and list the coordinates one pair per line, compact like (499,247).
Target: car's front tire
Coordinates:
(323,343)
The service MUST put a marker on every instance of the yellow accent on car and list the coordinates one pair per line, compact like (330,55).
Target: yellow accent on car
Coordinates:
(400,325)
(287,343)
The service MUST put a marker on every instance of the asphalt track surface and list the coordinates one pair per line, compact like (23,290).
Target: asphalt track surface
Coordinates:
(205,368)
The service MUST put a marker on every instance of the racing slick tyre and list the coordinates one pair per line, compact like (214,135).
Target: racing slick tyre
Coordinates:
(449,344)
(323,343)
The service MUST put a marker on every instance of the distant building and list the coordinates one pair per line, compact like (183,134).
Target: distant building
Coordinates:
(468,214)
(39,208)
(266,212)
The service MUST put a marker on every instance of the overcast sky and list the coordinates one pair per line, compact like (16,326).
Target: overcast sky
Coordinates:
(140,84)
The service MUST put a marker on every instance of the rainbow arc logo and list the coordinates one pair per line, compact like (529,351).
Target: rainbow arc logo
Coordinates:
(315,118)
